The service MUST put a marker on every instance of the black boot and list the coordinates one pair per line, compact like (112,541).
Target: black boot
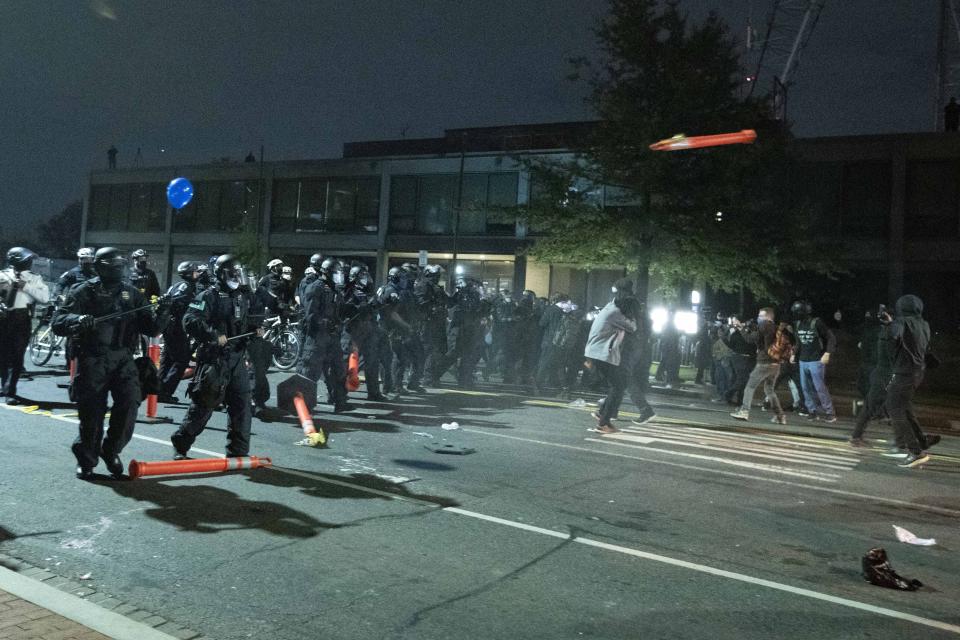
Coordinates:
(84,473)
(114,465)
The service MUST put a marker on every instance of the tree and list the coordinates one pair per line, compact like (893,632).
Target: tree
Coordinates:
(59,237)
(658,75)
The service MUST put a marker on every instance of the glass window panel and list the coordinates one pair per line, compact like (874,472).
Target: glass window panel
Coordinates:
(313,204)
(473,217)
(286,194)
(234,199)
(502,203)
(403,204)
(341,206)
(207,197)
(157,216)
(98,216)
(368,204)
(435,206)
(119,207)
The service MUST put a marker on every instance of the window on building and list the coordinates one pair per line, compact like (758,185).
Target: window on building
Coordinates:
(428,204)
(119,207)
(346,204)
(933,199)
(865,200)
(219,205)
(148,207)
(98,214)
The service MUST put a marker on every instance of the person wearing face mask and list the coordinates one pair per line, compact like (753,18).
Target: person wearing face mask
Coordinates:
(401,313)
(322,352)
(309,275)
(764,336)
(142,277)
(816,343)
(82,272)
(105,318)
(432,301)
(176,343)
(361,326)
(203,278)
(220,321)
(20,291)
(277,288)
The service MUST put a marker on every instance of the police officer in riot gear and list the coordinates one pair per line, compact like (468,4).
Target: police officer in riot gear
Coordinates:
(504,349)
(203,278)
(402,320)
(20,290)
(142,277)
(106,317)
(309,275)
(279,289)
(469,309)
(432,301)
(176,342)
(322,352)
(82,272)
(219,320)
(361,326)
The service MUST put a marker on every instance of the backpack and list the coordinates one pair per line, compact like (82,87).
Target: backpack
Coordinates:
(567,331)
(782,348)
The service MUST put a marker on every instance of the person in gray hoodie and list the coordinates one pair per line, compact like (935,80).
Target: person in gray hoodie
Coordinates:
(909,337)
(604,345)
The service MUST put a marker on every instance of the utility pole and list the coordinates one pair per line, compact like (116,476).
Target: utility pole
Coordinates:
(948,59)
(459,207)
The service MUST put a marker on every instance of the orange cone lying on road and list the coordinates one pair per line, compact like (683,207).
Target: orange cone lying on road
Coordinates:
(139,469)
(297,394)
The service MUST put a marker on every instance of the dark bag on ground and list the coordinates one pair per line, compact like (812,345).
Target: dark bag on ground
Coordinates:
(208,387)
(877,570)
(149,378)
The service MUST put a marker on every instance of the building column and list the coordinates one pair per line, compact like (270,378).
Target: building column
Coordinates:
(895,256)
(519,271)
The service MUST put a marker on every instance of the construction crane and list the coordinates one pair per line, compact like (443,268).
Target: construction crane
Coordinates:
(948,59)
(776,53)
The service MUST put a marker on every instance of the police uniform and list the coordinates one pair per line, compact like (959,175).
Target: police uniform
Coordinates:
(176,343)
(105,363)
(145,281)
(72,277)
(219,311)
(432,301)
(402,321)
(322,352)
(361,329)
(465,335)
(19,292)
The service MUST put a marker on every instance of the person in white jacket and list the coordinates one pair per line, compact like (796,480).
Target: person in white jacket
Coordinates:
(603,349)
(20,290)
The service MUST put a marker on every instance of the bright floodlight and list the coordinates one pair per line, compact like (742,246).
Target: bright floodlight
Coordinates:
(694,297)
(685,322)
(459,269)
(658,319)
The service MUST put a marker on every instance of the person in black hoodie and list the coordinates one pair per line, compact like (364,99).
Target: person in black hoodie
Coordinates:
(876,395)
(909,336)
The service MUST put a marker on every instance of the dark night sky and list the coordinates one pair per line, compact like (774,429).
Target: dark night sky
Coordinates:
(218,78)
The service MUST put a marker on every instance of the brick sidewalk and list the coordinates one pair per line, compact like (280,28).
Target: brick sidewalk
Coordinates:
(21,620)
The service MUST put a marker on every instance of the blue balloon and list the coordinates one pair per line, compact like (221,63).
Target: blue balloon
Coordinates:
(179,193)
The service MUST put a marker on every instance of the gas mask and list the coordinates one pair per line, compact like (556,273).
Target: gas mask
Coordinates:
(337,278)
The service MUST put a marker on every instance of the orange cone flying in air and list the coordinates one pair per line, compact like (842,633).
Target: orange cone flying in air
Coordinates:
(680,142)
(139,469)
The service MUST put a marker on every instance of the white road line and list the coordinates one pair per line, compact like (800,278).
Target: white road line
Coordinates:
(755,451)
(730,474)
(740,577)
(776,440)
(757,437)
(819,476)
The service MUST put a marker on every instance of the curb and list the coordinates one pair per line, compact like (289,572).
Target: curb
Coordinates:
(94,609)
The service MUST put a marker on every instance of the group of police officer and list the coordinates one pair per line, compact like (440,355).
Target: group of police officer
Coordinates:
(407,332)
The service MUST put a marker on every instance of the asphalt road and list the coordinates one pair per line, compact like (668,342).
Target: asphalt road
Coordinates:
(692,526)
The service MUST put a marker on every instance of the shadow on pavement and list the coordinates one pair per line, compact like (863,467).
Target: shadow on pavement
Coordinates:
(206,509)
(328,486)
(47,405)
(427,465)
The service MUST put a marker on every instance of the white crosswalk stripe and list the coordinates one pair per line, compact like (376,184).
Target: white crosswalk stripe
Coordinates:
(781,454)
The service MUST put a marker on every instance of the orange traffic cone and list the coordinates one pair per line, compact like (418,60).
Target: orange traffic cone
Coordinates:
(139,469)
(353,371)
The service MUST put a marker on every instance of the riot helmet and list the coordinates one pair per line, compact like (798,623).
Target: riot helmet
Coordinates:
(109,263)
(20,258)
(287,273)
(85,256)
(275,266)
(227,271)
(433,273)
(309,271)
(139,258)
(801,309)
(331,270)
(204,271)
(316,260)
(395,275)
(186,269)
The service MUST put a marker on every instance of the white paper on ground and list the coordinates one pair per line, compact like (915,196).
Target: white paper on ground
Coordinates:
(905,536)
(449,426)
(578,403)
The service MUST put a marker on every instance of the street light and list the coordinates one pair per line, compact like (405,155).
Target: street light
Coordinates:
(694,298)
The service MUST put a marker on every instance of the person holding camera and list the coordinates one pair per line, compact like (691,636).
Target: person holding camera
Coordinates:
(20,290)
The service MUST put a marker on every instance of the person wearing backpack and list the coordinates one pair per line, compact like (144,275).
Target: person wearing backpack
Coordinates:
(773,346)
(817,342)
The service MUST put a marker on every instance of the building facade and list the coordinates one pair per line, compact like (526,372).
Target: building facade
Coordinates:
(893,201)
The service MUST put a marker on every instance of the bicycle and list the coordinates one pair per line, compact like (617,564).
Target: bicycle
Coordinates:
(44,343)
(284,337)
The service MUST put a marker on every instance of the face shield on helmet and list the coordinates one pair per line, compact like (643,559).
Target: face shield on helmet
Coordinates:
(109,263)
(228,272)
(204,274)
(85,259)
(275,266)
(139,258)
(395,275)
(187,270)
(20,258)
